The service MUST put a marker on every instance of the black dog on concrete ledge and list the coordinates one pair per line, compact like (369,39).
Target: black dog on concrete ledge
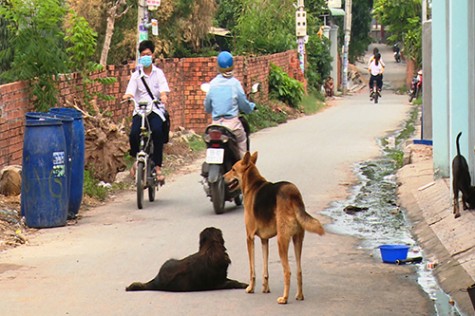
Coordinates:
(205,270)
(462,182)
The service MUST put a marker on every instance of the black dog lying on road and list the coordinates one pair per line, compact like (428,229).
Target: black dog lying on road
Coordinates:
(462,182)
(205,270)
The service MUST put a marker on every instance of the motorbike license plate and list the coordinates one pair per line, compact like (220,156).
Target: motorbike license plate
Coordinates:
(214,155)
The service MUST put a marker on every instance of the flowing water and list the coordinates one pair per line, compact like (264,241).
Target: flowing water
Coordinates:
(377,220)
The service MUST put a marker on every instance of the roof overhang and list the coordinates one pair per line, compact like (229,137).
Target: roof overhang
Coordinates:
(336,12)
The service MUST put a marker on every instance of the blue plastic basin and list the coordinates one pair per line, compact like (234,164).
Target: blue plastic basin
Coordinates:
(391,253)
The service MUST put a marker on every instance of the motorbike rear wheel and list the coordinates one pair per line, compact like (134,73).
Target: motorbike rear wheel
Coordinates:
(140,183)
(218,191)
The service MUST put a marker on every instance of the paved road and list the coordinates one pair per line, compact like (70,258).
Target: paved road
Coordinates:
(83,269)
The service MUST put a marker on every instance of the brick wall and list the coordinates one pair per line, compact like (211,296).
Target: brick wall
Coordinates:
(185,102)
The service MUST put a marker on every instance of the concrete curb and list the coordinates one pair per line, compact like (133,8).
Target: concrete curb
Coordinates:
(448,241)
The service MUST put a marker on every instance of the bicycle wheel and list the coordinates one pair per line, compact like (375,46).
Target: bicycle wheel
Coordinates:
(140,183)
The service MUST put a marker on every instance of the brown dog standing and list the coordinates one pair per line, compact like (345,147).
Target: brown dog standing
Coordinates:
(272,209)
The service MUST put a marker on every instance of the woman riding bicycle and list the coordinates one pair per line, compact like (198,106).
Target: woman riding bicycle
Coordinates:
(376,70)
(149,75)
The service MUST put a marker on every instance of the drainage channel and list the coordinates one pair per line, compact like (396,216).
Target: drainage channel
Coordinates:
(371,214)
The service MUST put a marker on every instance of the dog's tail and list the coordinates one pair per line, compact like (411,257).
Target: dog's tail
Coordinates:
(457,142)
(308,222)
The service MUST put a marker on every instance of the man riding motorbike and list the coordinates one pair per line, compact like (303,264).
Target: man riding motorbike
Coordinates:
(226,98)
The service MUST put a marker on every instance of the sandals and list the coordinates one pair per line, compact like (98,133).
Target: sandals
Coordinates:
(159,176)
(133,169)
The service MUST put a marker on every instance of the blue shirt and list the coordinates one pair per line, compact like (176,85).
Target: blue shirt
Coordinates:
(226,98)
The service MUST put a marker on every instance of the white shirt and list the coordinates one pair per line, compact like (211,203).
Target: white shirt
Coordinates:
(375,69)
(156,81)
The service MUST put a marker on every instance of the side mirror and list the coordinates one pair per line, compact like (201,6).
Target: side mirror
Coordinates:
(204,87)
(256,87)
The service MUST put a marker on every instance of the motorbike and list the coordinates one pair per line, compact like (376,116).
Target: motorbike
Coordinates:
(416,86)
(221,154)
(397,53)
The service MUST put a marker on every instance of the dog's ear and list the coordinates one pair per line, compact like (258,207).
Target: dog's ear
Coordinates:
(246,158)
(254,157)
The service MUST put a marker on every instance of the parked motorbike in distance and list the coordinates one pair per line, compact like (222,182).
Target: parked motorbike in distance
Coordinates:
(397,53)
(416,86)
(221,154)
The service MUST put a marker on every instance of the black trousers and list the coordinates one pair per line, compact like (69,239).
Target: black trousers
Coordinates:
(157,137)
(379,81)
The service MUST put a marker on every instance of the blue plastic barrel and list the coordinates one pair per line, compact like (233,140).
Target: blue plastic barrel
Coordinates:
(68,131)
(44,187)
(77,142)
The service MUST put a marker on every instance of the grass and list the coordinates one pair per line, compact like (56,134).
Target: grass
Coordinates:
(408,130)
(312,103)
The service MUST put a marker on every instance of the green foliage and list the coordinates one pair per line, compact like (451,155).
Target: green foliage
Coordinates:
(228,13)
(91,187)
(318,62)
(6,49)
(360,28)
(313,102)
(265,117)
(196,144)
(265,27)
(284,88)
(403,18)
(37,40)
(81,40)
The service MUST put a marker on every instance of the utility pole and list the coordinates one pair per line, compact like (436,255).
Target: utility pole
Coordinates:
(301,32)
(424,11)
(346,44)
(143,24)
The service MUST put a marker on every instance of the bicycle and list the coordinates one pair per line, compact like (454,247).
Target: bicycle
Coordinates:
(145,174)
(375,92)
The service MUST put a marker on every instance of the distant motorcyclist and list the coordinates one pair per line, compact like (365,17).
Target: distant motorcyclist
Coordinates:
(226,98)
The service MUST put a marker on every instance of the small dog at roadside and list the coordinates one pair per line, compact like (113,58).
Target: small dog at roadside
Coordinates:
(272,209)
(205,270)
(462,182)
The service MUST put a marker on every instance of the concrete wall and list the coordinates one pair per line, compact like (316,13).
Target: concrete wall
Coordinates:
(453,68)
(427,79)
(185,100)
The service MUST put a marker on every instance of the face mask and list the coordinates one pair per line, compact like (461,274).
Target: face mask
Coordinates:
(145,61)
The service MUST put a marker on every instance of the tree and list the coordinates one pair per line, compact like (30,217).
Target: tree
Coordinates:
(265,27)
(403,21)
(81,40)
(6,49)
(116,9)
(37,41)
(360,28)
